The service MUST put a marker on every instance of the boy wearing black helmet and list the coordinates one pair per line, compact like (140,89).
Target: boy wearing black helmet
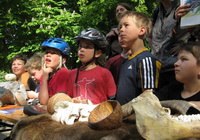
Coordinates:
(54,74)
(91,82)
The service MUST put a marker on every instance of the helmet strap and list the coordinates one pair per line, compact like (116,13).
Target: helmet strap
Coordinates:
(51,74)
(84,65)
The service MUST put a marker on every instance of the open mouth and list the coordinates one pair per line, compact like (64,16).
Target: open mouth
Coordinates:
(80,55)
(48,60)
(122,37)
(15,70)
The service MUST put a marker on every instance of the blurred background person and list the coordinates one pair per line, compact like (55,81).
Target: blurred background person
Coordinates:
(112,37)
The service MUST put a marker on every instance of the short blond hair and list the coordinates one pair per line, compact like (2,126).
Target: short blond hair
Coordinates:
(140,20)
(35,62)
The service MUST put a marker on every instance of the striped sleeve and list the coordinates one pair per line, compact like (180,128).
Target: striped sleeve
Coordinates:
(149,69)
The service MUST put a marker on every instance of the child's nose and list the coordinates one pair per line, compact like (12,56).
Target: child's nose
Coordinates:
(81,49)
(16,66)
(48,54)
(120,30)
(176,63)
(121,11)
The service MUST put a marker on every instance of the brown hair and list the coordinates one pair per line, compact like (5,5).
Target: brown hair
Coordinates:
(22,57)
(125,5)
(192,47)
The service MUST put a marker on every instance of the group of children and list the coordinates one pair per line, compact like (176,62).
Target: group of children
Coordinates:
(136,72)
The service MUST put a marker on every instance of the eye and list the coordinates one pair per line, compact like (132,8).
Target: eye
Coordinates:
(79,46)
(85,47)
(126,24)
(119,27)
(47,52)
(122,9)
(88,47)
(51,52)
(183,59)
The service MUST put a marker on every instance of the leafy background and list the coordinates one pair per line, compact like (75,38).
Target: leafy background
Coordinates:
(24,25)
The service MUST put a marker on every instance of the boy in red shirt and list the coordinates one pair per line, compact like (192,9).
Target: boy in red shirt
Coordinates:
(91,82)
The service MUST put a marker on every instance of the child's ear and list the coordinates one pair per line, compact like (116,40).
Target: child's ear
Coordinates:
(198,71)
(142,30)
(98,53)
(64,60)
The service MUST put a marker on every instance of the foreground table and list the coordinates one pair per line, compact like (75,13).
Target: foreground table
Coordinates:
(9,115)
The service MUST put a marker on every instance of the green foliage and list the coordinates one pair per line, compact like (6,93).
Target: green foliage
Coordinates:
(24,25)
(2,76)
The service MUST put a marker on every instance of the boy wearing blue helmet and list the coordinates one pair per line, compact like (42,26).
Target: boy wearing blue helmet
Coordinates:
(91,82)
(54,70)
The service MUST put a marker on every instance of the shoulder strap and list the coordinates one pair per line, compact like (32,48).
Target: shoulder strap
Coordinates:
(155,15)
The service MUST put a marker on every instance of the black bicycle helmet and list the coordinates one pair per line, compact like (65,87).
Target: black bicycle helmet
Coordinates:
(93,35)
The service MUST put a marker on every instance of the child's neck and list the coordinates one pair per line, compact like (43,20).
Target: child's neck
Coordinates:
(190,89)
(89,66)
(137,46)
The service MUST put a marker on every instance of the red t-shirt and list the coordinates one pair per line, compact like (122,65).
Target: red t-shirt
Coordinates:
(58,83)
(114,65)
(96,84)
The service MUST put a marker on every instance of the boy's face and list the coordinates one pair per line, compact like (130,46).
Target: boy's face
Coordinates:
(18,67)
(86,50)
(52,58)
(128,32)
(123,44)
(35,74)
(186,68)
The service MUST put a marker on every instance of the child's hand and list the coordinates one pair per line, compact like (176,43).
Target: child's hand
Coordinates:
(32,94)
(46,71)
(83,101)
(181,11)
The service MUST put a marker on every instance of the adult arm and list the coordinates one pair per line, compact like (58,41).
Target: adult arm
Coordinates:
(113,32)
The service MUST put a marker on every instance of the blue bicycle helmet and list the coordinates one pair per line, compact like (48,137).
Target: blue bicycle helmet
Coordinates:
(57,43)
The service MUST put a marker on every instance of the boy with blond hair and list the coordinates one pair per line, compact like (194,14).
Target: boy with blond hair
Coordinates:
(34,68)
(141,70)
